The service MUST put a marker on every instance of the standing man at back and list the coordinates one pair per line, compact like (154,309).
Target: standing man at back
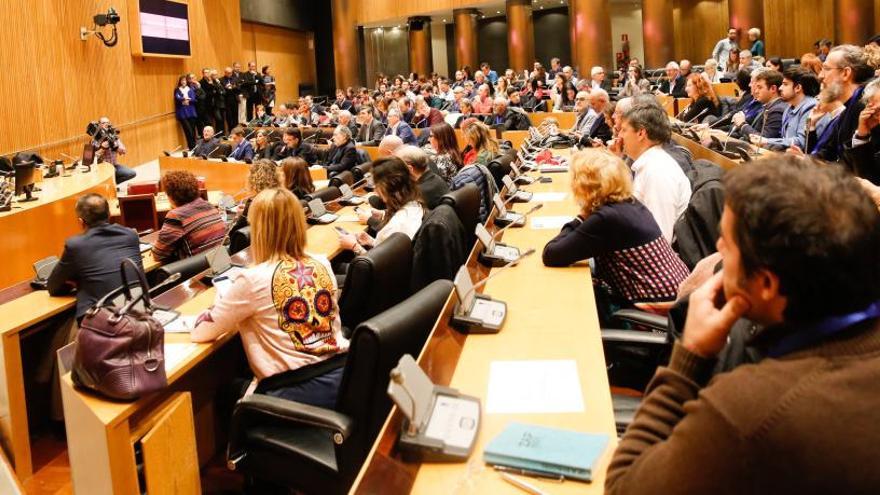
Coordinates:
(722,50)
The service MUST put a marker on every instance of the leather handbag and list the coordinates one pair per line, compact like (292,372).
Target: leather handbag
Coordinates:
(120,350)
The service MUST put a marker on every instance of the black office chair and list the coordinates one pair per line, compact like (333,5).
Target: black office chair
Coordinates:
(376,280)
(696,230)
(345,177)
(187,268)
(328,193)
(466,202)
(239,239)
(500,166)
(362,156)
(316,450)
(361,170)
(440,247)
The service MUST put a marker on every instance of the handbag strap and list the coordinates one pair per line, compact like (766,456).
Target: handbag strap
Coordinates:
(142,281)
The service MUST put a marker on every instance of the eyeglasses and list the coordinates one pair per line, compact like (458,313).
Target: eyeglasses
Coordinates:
(825,68)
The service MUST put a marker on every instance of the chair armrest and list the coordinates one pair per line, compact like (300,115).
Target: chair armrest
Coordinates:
(635,337)
(639,317)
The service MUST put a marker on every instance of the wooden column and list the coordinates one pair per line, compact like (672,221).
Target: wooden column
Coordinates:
(657,33)
(745,15)
(420,59)
(465,38)
(590,31)
(853,21)
(345,42)
(520,35)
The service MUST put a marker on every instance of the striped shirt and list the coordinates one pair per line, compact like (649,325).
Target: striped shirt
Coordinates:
(189,229)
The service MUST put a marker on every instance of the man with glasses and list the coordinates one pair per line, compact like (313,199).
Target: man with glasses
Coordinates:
(586,116)
(598,79)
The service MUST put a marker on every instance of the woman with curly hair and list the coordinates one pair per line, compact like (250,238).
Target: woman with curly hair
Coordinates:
(262,175)
(704,102)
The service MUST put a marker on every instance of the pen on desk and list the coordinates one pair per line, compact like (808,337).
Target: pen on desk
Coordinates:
(522,485)
(533,474)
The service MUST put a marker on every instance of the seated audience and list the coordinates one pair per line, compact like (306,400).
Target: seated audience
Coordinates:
(261,117)
(632,258)
(292,145)
(345,118)
(797,421)
(864,151)
(467,112)
(371,129)
(506,118)
(474,170)
(586,115)
(266,300)
(658,181)
(598,79)
(564,101)
(482,103)
(636,84)
(426,116)
(812,63)
(431,186)
(710,72)
(479,137)
(599,130)
(799,89)
(768,122)
(403,206)
(398,127)
(90,261)
(262,175)
(262,146)
(297,178)
(389,145)
(674,83)
(747,62)
(446,156)
(242,149)
(342,154)
(703,100)
(192,225)
(774,63)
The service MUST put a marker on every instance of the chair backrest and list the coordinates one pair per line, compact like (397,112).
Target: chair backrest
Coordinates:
(143,187)
(376,280)
(359,171)
(500,166)
(326,194)
(345,177)
(376,346)
(138,211)
(696,230)
(239,239)
(362,156)
(440,247)
(187,268)
(466,203)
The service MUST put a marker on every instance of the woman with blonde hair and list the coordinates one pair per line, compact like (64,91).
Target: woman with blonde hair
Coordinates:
(262,174)
(296,177)
(481,149)
(710,71)
(633,260)
(704,102)
(284,307)
(479,138)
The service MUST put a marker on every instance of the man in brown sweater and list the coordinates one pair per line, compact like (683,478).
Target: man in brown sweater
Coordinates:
(801,249)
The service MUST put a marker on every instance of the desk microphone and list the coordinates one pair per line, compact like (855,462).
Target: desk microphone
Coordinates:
(697,116)
(397,377)
(212,151)
(169,153)
(417,124)
(722,119)
(507,265)
(524,216)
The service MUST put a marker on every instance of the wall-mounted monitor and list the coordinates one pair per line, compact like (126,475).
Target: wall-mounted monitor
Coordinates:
(159,28)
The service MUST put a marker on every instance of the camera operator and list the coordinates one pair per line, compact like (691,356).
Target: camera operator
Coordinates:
(108,147)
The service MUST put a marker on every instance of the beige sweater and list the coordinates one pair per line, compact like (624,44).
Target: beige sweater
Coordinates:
(804,423)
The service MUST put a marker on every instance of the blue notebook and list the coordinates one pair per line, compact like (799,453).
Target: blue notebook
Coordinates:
(569,453)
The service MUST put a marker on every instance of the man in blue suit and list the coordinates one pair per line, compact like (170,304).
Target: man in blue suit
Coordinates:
(398,128)
(243,150)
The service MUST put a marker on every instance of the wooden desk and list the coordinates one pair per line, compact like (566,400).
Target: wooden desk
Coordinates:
(566,120)
(228,177)
(516,138)
(726,89)
(699,151)
(551,315)
(37,229)
(101,433)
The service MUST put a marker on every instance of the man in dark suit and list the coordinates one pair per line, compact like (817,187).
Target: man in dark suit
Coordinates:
(230,82)
(252,89)
(342,155)
(599,129)
(431,185)
(292,146)
(208,144)
(399,128)
(242,150)
(407,112)
(674,82)
(90,261)
(371,129)
(506,118)
(768,122)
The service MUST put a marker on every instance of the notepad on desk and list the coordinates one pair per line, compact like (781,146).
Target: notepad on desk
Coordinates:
(552,451)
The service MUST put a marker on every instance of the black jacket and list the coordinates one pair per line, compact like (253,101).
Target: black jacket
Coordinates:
(864,160)
(250,84)
(91,261)
(439,247)
(699,110)
(432,187)
(377,130)
(305,151)
(697,229)
(772,128)
(341,159)
(599,130)
(512,120)
(677,88)
(204,148)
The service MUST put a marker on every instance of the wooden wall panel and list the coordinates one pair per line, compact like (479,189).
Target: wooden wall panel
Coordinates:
(785,38)
(291,54)
(56,83)
(698,24)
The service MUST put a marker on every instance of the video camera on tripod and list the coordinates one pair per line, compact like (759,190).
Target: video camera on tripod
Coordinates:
(100,135)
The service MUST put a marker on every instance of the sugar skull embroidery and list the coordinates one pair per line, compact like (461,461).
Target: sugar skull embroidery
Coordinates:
(302,292)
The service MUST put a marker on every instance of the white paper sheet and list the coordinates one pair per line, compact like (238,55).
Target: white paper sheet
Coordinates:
(181,324)
(550,222)
(175,353)
(550,386)
(347,218)
(548,197)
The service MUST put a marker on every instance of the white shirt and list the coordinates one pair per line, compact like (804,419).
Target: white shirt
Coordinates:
(407,220)
(660,184)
